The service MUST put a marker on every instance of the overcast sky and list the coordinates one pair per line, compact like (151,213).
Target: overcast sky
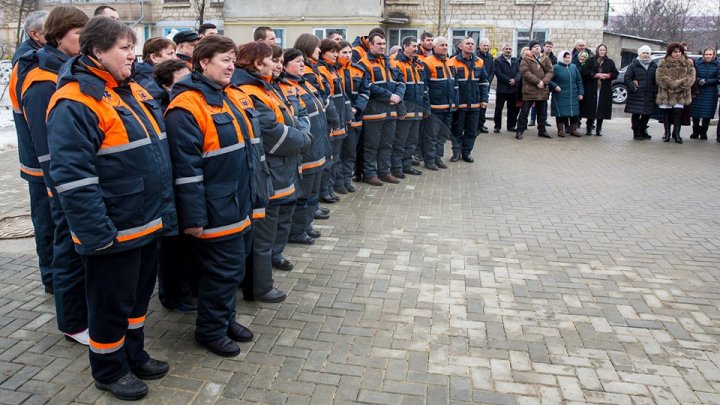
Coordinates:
(703,6)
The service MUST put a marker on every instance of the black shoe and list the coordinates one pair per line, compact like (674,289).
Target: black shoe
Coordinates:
(222,347)
(413,171)
(518,135)
(340,189)
(305,240)
(127,388)
(283,264)
(703,137)
(531,123)
(323,209)
(152,370)
(483,130)
(441,164)
(431,166)
(646,137)
(416,163)
(547,124)
(350,188)
(468,158)
(319,214)
(513,129)
(599,132)
(314,233)
(49,290)
(455,157)
(239,333)
(638,138)
(332,195)
(496,130)
(327,199)
(545,134)
(399,175)
(694,136)
(272,296)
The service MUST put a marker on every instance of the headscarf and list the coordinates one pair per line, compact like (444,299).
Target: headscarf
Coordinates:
(587,56)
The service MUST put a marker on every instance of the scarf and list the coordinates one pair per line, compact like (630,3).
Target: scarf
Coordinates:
(644,63)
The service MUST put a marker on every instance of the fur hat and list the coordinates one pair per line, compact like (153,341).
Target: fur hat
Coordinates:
(644,48)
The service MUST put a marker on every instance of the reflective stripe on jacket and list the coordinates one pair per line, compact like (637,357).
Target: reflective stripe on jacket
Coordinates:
(442,87)
(472,79)
(357,87)
(417,104)
(281,139)
(338,97)
(303,96)
(383,84)
(110,162)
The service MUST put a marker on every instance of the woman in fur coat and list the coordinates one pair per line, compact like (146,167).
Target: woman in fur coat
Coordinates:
(675,76)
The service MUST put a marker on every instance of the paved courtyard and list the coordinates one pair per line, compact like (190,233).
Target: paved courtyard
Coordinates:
(575,270)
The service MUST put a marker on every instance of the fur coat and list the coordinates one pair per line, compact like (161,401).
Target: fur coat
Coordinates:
(674,78)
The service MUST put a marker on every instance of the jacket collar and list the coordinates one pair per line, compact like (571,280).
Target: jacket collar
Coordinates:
(403,58)
(211,91)
(89,74)
(51,58)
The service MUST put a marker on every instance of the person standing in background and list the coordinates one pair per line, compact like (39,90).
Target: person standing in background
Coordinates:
(483,53)
(704,103)
(640,81)
(507,70)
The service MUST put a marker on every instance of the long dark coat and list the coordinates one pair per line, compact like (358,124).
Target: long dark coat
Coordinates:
(641,100)
(596,106)
(705,103)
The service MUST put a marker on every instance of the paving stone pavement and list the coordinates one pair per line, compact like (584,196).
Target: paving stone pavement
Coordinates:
(575,270)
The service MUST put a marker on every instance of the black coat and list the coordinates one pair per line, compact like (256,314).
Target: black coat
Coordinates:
(594,106)
(641,99)
(504,72)
(705,102)
(488,64)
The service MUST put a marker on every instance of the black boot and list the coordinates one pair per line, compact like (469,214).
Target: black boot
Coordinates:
(598,130)
(696,130)
(588,127)
(645,133)
(637,135)
(703,130)
(677,124)
(667,124)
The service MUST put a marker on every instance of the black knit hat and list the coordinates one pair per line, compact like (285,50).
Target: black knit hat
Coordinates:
(186,36)
(532,44)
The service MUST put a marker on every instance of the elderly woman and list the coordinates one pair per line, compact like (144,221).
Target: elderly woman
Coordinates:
(282,142)
(705,102)
(211,143)
(111,170)
(640,82)
(568,90)
(675,76)
(536,71)
(598,101)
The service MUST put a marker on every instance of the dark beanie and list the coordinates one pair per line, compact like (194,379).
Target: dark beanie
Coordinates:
(532,44)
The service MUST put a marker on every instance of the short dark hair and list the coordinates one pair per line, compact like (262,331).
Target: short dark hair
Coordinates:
(62,19)
(206,26)
(154,46)
(277,51)
(306,43)
(101,33)
(425,35)
(165,70)
(672,46)
(291,54)
(210,46)
(331,33)
(344,44)
(408,40)
(260,33)
(252,52)
(327,45)
(101,9)
(376,30)
(371,37)
(548,43)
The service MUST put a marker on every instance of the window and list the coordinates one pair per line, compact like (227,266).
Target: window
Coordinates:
(322,32)
(523,38)
(396,35)
(458,35)
(169,32)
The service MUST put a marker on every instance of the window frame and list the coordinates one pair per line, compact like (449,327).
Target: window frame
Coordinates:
(536,31)
(454,45)
(343,31)
(400,37)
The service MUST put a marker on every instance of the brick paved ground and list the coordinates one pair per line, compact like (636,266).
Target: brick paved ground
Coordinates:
(577,270)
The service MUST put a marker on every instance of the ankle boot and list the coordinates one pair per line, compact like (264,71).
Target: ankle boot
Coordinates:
(676,133)
(695,132)
(637,135)
(573,130)
(703,131)
(561,128)
(598,130)
(588,127)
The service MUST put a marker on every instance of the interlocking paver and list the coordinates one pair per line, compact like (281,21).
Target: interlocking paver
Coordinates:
(577,270)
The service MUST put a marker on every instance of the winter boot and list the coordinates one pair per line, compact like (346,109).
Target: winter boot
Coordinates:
(667,124)
(561,128)
(677,124)
(573,129)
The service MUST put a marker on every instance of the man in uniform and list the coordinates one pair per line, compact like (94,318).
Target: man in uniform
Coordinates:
(443,94)
(265,34)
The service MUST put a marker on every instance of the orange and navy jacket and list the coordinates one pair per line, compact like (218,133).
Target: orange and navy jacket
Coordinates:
(383,84)
(144,76)
(110,162)
(282,140)
(417,104)
(442,86)
(338,97)
(357,87)
(472,79)
(30,169)
(361,48)
(304,97)
(314,78)
(185,58)
(210,145)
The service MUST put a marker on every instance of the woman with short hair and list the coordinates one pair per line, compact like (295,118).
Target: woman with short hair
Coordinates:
(704,103)
(111,170)
(155,50)
(211,143)
(675,76)
(640,82)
